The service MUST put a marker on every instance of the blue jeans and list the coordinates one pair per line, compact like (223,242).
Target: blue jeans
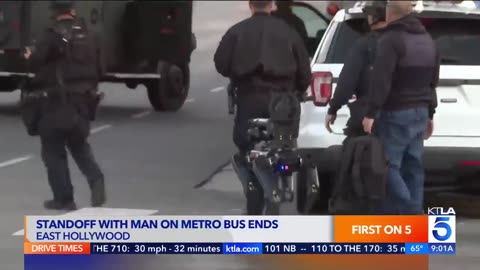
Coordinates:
(402,135)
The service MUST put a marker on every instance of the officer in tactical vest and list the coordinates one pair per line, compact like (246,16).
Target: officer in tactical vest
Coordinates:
(355,75)
(402,103)
(66,66)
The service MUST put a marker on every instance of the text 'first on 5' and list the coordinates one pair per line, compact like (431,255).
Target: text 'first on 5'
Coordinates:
(156,224)
(380,229)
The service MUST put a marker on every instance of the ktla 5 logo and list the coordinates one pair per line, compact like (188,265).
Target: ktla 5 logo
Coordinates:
(442,228)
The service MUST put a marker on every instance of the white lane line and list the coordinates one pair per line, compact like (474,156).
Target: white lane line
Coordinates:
(30,156)
(190,100)
(236,211)
(19,233)
(218,89)
(100,128)
(141,114)
(15,161)
(105,212)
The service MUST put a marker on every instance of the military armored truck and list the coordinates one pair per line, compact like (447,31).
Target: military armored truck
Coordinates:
(143,42)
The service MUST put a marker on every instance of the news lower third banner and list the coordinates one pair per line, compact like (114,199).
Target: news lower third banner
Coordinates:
(94,235)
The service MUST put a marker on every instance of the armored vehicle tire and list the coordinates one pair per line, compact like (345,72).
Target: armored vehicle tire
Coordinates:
(170,91)
(8,84)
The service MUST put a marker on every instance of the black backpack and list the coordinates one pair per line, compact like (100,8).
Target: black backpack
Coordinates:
(361,181)
(77,62)
(79,51)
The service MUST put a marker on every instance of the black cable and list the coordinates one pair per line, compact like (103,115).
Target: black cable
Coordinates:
(210,177)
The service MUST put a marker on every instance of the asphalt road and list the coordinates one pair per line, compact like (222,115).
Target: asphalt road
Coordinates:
(152,161)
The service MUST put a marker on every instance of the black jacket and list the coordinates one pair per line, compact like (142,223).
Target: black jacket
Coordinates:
(264,50)
(355,75)
(50,50)
(294,21)
(406,69)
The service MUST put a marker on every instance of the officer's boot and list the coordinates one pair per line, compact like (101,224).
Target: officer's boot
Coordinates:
(83,155)
(58,205)
(59,181)
(98,197)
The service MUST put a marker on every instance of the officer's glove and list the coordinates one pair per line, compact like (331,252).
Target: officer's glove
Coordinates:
(330,120)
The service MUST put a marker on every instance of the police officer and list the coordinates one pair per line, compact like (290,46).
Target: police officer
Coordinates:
(402,103)
(66,66)
(355,75)
(284,12)
(259,54)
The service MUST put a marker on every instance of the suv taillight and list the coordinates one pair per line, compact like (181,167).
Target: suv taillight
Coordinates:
(321,88)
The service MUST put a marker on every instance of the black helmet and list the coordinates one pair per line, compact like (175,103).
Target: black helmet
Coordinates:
(377,9)
(283,4)
(62,5)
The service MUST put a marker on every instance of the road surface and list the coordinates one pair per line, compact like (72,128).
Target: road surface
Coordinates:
(152,161)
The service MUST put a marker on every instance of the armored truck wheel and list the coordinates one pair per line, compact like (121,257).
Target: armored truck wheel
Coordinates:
(170,91)
(8,84)
(131,85)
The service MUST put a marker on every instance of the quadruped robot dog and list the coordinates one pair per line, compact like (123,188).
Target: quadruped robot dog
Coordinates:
(266,173)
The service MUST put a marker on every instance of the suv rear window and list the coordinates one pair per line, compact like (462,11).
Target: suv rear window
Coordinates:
(458,39)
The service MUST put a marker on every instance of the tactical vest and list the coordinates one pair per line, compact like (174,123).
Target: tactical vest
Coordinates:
(79,61)
(372,49)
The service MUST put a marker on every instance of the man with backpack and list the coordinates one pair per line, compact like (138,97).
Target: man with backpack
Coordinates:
(67,69)
(355,75)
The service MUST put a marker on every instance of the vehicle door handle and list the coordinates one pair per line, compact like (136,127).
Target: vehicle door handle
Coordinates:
(448,100)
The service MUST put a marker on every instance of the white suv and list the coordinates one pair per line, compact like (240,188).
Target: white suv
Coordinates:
(452,153)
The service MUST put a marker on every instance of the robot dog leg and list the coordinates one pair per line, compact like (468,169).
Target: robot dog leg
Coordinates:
(269,182)
(251,187)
